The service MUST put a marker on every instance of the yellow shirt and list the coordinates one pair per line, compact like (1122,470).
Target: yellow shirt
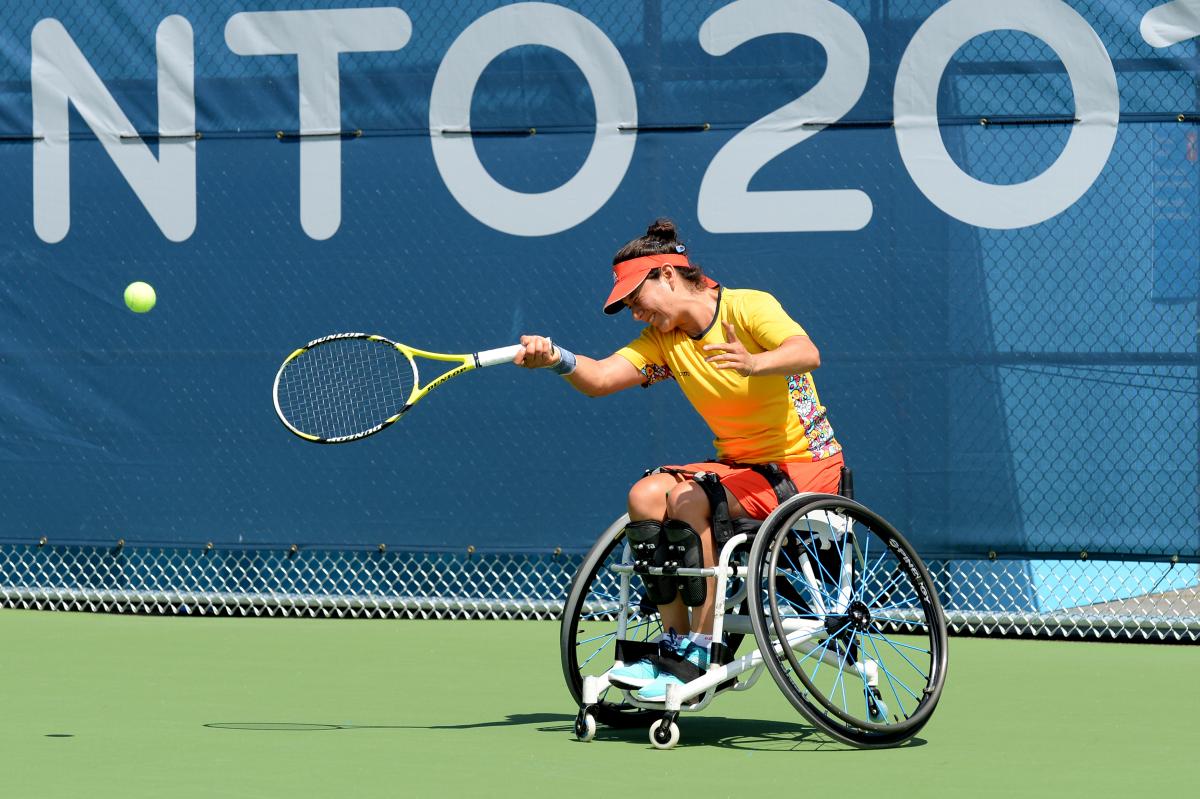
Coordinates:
(760,419)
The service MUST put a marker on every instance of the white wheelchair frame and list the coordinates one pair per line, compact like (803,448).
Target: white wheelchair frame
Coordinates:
(696,695)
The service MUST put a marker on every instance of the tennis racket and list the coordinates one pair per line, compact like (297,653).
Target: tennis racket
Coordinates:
(349,386)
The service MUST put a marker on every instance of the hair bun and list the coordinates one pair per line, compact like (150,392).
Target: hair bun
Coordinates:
(663,229)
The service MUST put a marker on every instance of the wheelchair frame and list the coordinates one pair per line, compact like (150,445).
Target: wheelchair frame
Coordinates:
(804,636)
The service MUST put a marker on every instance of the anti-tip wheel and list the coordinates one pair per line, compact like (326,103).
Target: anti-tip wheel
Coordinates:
(585,726)
(664,734)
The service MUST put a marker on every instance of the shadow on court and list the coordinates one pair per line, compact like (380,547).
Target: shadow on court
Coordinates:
(515,719)
(757,735)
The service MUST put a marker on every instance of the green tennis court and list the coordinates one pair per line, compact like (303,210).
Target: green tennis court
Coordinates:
(102,705)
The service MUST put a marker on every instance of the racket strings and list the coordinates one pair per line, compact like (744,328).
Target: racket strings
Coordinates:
(344,387)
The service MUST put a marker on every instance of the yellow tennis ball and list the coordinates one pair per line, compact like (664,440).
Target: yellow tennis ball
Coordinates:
(140,297)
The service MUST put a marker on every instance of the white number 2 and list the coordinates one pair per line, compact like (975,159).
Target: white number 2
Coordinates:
(725,203)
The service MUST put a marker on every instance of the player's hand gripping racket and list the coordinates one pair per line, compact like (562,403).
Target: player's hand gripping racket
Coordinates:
(351,385)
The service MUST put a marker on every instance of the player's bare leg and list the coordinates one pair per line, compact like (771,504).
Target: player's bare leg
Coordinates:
(648,500)
(662,496)
(688,503)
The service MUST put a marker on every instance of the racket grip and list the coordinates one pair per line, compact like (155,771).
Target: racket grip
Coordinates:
(497,356)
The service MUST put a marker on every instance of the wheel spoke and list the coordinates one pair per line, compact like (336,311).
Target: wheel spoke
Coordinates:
(889,671)
(814,590)
(812,553)
(864,558)
(888,676)
(824,645)
(866,684)
(895,645)
(887,588)
(815,587)
(597,652)
(842,673)
(869,572)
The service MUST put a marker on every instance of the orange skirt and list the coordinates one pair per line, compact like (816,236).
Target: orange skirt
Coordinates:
(755,493)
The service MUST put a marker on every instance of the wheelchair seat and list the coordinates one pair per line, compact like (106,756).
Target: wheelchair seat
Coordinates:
(749,527)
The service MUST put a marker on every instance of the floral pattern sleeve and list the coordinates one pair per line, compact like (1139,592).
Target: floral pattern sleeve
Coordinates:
(646,354)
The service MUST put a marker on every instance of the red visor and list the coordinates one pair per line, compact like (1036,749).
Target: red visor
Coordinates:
(628,275)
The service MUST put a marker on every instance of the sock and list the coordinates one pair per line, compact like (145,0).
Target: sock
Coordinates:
(701,639)
(671,634)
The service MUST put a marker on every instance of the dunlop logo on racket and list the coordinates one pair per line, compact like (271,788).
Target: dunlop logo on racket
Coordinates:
(347,386)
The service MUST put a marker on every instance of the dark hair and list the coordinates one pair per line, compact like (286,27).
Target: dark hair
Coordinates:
(661,238)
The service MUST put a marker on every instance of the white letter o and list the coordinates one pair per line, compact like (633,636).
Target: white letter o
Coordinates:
(520,213)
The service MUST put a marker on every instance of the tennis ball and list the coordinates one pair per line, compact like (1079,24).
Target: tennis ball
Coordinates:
(140,297)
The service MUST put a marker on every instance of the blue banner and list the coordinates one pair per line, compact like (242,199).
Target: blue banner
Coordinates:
(984,214)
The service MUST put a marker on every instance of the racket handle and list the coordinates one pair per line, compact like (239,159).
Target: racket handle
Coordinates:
(497,356)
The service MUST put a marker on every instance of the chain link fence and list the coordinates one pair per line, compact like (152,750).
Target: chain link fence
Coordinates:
(1155,602)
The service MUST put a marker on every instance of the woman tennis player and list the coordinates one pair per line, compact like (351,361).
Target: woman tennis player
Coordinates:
(745,366)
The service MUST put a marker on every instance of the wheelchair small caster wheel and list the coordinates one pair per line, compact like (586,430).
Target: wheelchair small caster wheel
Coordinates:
(664,734)
(585,726)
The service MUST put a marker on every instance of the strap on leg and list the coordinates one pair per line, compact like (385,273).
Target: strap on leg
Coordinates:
(684,552)
(722,525)
(650,549)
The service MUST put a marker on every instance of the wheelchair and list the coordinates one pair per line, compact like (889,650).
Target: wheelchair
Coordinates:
(828,597)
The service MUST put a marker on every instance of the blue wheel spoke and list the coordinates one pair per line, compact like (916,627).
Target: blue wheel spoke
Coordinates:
(888,676)
(866,685)
(826,599)
(907,597)
(598,651)
(812,556)
(840,678)
(901,608)
(905,646)
(824,644)
(869,573)
(896,645)
(865,573)
(886,589)
(650,628)
(598,614)
(897,678)
(793,604)
(602,635)
(799,573)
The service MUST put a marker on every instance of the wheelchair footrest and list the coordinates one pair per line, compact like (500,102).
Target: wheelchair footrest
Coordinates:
(633,651)
(662,654)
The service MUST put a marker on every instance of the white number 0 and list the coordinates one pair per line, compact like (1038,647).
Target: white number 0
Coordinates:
(1097,107)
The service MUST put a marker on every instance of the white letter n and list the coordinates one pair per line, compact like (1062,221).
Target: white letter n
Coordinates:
(60,75)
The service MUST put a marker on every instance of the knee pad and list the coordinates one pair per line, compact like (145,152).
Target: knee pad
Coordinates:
(650,549)
(684,552)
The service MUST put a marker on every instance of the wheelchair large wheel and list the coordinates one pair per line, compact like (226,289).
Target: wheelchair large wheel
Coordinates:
(589,626)
(848,620)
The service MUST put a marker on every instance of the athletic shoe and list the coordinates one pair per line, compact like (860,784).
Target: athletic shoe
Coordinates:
(643,672)
(657,691)
(635,675)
